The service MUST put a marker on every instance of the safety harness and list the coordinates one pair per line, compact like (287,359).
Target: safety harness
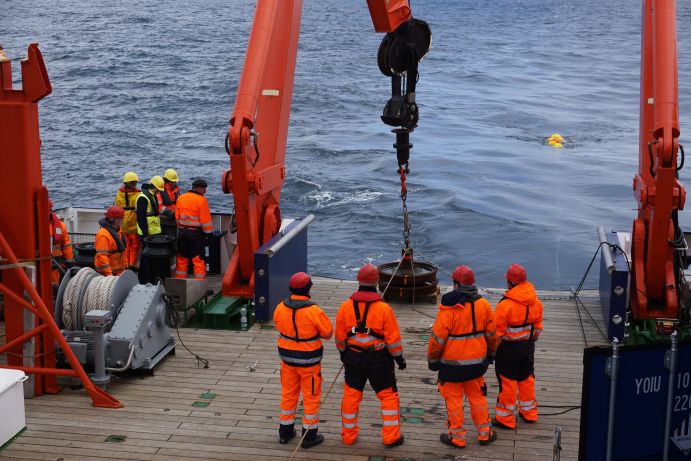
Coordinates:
(295,305)
(472,333)
(361,326)
(525,320)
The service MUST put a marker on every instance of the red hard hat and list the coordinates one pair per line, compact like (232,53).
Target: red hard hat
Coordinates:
(299,280)
(463,275)
(368,275)
(515,273)
(115,212)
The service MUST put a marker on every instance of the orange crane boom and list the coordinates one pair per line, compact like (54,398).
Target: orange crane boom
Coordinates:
(256,140)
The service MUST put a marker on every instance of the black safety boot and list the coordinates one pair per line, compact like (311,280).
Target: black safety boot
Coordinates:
(446,440)
(286,433)
(492,438)
(312,438)
(396,443)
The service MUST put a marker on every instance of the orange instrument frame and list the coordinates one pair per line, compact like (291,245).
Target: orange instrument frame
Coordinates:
(24,234)
(259,127)
(656,235)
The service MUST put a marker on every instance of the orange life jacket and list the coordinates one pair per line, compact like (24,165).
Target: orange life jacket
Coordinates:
(61,247)
(462,335)
(110,257)
(173,191)
(518,316)
(192,212)
(365,322)
(301,325)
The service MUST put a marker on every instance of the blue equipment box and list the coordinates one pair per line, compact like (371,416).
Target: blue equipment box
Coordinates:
(614,289)
(640,404)
(274,264)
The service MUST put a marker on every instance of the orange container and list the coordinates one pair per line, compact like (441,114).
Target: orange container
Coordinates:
(387,15)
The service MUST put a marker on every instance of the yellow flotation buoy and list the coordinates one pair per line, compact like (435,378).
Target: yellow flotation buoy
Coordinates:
(555,140)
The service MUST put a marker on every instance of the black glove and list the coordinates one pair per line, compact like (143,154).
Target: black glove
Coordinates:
(434,366)
(400,361)
(490,358)
(342,353)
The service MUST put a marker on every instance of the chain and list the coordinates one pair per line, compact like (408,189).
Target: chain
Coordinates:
(406,221)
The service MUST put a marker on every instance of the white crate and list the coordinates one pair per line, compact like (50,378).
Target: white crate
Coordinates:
(13,419)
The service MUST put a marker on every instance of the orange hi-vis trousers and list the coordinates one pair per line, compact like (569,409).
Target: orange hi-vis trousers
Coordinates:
(479,410)
(509,390)
(132,247)
(181,264)
(293,380)
(377,367)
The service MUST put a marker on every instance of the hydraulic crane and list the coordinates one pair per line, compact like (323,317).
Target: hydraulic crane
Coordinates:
(658,245)
(256,140)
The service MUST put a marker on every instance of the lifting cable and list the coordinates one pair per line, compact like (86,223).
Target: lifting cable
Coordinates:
(337,375)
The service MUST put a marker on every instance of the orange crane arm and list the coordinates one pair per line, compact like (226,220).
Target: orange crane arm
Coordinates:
(258,131)
(656,239)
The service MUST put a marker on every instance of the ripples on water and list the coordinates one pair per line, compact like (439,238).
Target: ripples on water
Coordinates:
(145,86)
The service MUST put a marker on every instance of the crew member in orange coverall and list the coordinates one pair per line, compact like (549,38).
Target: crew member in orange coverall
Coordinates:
(194,229)
(61,247)
(301,325)
(518,319)
(368,338)
(110,243)
(461,346)
(127,199)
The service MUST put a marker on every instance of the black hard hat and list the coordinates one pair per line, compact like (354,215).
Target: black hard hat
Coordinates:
(199,182)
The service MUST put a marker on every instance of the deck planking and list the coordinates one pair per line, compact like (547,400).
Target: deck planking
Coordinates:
(241,421)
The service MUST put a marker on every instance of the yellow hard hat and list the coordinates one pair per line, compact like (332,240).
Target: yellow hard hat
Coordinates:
(171,175)
(130,176)
(157,181)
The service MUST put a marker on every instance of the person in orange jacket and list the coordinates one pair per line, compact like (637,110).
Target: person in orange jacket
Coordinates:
(127,199)
(460,348)
(518,319)
(301,325)
(369,341)
(61,247)
(110,243)
(194,229)
(170,177)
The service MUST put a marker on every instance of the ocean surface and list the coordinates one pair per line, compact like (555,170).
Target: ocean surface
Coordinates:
(148,85)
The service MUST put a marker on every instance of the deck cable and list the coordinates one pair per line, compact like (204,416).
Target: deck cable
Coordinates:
(173,320)
(321,403)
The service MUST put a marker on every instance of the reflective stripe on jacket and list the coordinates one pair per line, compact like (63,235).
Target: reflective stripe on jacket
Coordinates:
(108,260)
(153,221)
(462,336)
(301,325)
(127,199)
(192,211)
(518,316)
(60,244)
(380,329)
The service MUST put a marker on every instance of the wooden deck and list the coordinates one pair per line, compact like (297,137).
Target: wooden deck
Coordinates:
(229,412)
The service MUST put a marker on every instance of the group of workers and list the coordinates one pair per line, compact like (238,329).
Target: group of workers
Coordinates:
(157,208)
(466,337)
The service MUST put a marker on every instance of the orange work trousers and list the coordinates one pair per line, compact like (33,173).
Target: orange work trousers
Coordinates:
(181,264)
(509,391)
(293,380)
(132,247)
(377,368)
(479,410)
